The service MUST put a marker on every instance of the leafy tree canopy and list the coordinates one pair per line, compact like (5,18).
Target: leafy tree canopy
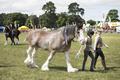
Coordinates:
(113,15)
(74,9)
(91,22)
(49,7)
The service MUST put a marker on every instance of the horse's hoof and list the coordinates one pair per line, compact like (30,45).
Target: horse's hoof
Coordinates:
(45,68)
(73,70)
(17,43)
(76,70)
(27,62)
(34,66)
(5,44)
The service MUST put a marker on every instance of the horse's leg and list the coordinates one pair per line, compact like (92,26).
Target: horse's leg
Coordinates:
(45,65)
(33,65)
(17,42)
(28,59)
(6,40)
(12,40)
(69,66)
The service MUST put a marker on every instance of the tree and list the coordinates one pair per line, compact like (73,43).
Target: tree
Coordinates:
(74,18)
(74,9)
(7,19)
(49,7)
(3,19)
(91,22)
(19,18)
(113,14)
(62,19)
(49,17)
(34,19)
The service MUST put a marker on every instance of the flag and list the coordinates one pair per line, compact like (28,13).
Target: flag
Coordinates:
(15,24)
(40,27)
(31,23)
(35,26)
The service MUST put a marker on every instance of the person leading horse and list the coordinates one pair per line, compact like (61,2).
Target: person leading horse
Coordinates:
(11,34)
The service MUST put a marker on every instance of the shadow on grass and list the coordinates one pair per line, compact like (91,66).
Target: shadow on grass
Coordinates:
(113,68)
(59,68)
(18,44)
(80,70)
(21,44)
(107,71)
(102,71)
(2,66)
(96,70)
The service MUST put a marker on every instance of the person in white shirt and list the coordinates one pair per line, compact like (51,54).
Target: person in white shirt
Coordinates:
(97,46)
(87,50)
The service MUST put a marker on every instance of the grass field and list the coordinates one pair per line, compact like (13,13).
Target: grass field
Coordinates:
(12,65)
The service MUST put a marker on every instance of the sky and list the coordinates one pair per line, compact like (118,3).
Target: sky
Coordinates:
(94,9)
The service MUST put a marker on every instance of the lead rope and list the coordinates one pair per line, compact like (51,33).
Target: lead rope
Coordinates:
(78,54)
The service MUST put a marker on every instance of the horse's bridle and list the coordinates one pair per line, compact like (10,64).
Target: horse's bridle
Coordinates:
(80,31)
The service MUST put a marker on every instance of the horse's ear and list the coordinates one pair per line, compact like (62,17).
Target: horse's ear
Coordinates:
(79,25)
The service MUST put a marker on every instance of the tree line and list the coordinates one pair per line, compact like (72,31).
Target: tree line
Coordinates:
(50,18)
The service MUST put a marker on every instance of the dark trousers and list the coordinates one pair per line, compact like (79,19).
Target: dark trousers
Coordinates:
(99,53)
(86,53)
(13,38)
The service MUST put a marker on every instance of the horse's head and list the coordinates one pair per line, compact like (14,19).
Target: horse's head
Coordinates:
(6,29)
(79,33)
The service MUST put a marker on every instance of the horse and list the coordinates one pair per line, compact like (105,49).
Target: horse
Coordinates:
(54,42)
(8,33)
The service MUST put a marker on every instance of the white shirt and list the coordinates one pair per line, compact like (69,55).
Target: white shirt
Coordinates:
(96,40)
(89,45)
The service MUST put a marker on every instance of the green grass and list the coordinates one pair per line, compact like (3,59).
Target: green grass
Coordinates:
(12,65)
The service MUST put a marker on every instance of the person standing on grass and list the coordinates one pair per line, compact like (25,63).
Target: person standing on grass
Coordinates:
(13,35)
(97,46)
(87,51)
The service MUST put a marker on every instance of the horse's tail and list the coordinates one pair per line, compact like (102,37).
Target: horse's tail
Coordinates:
(19,32)
(25,39)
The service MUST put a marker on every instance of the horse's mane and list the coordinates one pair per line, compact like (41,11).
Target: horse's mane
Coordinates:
(7,29)
(70,31)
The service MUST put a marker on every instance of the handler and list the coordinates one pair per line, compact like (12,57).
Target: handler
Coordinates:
(87,51)
(97,46)
(12,34)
